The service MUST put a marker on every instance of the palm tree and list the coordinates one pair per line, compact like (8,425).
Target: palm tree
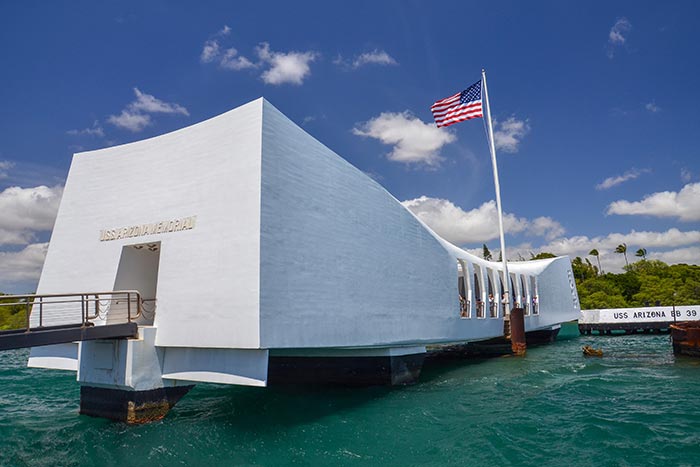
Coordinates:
(622,248)
(642,253)
(595,253)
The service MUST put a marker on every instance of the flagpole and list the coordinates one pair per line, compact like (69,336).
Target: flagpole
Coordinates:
(492,147)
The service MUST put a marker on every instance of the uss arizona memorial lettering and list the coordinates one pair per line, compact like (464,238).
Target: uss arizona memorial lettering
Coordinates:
(640,314)
(174,225)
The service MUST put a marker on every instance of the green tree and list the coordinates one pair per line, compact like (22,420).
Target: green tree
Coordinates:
(487,253)
(628,283)
(650,267)
(543,255)
(599,292)
(645,282)
(622,248)
(595,253)
(12,316)
(641,253)
(583,270)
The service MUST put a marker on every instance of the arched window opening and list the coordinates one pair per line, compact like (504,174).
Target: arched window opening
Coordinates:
(479,291)
(525,295)
(464,289)
(535,296)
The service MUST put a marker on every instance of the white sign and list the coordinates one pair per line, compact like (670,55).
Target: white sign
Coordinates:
(641,315)
(174,225)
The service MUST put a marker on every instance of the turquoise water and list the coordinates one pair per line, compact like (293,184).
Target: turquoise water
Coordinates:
(636,406)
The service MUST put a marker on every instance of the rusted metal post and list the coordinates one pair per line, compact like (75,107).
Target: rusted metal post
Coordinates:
(517,332)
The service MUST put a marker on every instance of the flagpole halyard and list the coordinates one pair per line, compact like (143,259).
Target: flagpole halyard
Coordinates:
(492,147)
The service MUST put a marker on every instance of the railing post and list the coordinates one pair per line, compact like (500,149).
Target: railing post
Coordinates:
(28,311)
(41,311)
(84,303)
(128,306)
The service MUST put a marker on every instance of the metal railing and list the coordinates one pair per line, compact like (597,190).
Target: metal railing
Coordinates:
(45,310)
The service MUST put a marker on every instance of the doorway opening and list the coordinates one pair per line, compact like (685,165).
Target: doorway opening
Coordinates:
(138,270)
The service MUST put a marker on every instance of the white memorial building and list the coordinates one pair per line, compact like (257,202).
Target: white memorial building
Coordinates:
(261,256)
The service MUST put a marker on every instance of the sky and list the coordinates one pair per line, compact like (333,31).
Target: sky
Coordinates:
(595,109)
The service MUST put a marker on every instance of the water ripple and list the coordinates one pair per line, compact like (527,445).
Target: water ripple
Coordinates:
(636,406)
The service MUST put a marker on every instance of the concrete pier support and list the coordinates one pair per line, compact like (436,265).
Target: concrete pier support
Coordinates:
(359,367)
(130,406)
(122,379)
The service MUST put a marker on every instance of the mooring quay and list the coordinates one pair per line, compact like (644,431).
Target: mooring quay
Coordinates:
(635,320)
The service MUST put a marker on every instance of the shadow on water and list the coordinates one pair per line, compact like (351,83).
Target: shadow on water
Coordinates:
(277,407)
(541,410)
(273,407)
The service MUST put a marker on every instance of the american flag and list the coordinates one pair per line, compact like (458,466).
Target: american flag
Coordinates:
(460,107)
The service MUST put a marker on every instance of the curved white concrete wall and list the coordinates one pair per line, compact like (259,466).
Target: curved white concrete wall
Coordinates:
(342,262)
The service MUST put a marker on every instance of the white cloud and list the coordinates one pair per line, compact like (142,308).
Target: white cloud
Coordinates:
(618,31)
(130,121)
(210,51)
(280,67)
(478,225)
(232,61)
(27,210)
(686,175)
(5,166)
(546,227)
(685,204)
(291,67)
(690,255)
(135,117)
(22,266)
(211,48)
(652,107)
(414,141)
(618,35)
(94,130)
(614,181)
(229,58)
(508,135)
(660,245)
(149,104)
(375,57)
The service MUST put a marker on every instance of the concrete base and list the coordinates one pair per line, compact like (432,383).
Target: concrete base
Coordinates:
(347,371)
(130,406)
(625,328)
(496,347)
(541,337)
